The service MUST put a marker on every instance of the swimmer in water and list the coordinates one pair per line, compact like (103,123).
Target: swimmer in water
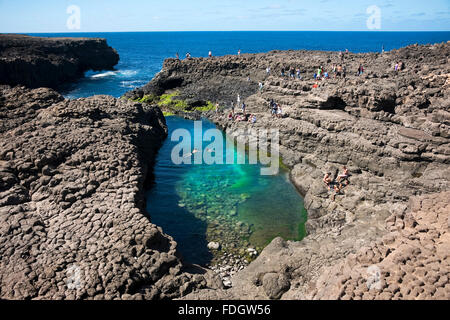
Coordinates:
(192,153)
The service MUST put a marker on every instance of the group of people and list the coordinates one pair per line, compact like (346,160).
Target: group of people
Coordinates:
(188,55)
(243,116)
(275,109)
(293,72)
(337,184)
(250,118)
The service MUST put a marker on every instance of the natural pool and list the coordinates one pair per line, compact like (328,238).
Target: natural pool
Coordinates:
(232,204)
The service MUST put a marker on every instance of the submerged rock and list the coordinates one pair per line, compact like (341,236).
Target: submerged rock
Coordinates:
(214,246)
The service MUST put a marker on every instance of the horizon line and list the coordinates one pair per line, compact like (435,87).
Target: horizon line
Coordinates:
(167,31)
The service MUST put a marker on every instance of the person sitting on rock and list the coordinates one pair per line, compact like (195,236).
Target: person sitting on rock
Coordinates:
(337,190)
(327,180)
(230,116)
(344,176)
(252,119)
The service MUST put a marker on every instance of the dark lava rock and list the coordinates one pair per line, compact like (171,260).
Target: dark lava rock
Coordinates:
(49,62)
(73,223)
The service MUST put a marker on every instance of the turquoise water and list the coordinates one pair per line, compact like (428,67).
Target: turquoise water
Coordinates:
(230,204)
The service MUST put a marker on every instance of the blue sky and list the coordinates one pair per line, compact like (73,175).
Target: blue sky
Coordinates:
(27,16)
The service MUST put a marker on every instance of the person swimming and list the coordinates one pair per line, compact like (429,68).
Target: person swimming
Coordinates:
(192,153)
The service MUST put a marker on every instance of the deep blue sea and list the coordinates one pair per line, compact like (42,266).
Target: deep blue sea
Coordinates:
(142,53)
(230,204)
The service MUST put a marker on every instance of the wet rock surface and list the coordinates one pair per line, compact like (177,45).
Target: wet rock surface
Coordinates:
(48,62)
(72,217)
(390,128)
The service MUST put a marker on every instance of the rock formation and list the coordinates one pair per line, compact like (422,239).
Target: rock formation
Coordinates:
(49,62)
(72,209)
(390,128)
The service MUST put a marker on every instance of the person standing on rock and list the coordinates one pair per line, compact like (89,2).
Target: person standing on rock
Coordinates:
(339,71)
(210,54)
(238,100)
(178,56)
(319,73)
(243,108)
(268,71)
(274,109)
(239,52)
(360,70)
(279,112)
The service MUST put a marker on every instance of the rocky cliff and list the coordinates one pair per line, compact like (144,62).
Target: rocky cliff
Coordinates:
(49,62)
(390,128)
(72,210)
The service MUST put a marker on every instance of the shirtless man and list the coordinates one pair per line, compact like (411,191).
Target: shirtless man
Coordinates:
(327,180)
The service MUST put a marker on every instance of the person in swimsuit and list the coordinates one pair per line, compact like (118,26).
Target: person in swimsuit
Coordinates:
(327,180)
(344,176)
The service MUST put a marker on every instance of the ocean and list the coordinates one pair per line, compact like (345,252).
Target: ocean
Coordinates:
(142,53)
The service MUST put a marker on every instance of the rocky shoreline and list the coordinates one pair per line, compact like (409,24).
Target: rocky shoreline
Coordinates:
(72,176)
(49,62)
(390,128)
(72,207)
